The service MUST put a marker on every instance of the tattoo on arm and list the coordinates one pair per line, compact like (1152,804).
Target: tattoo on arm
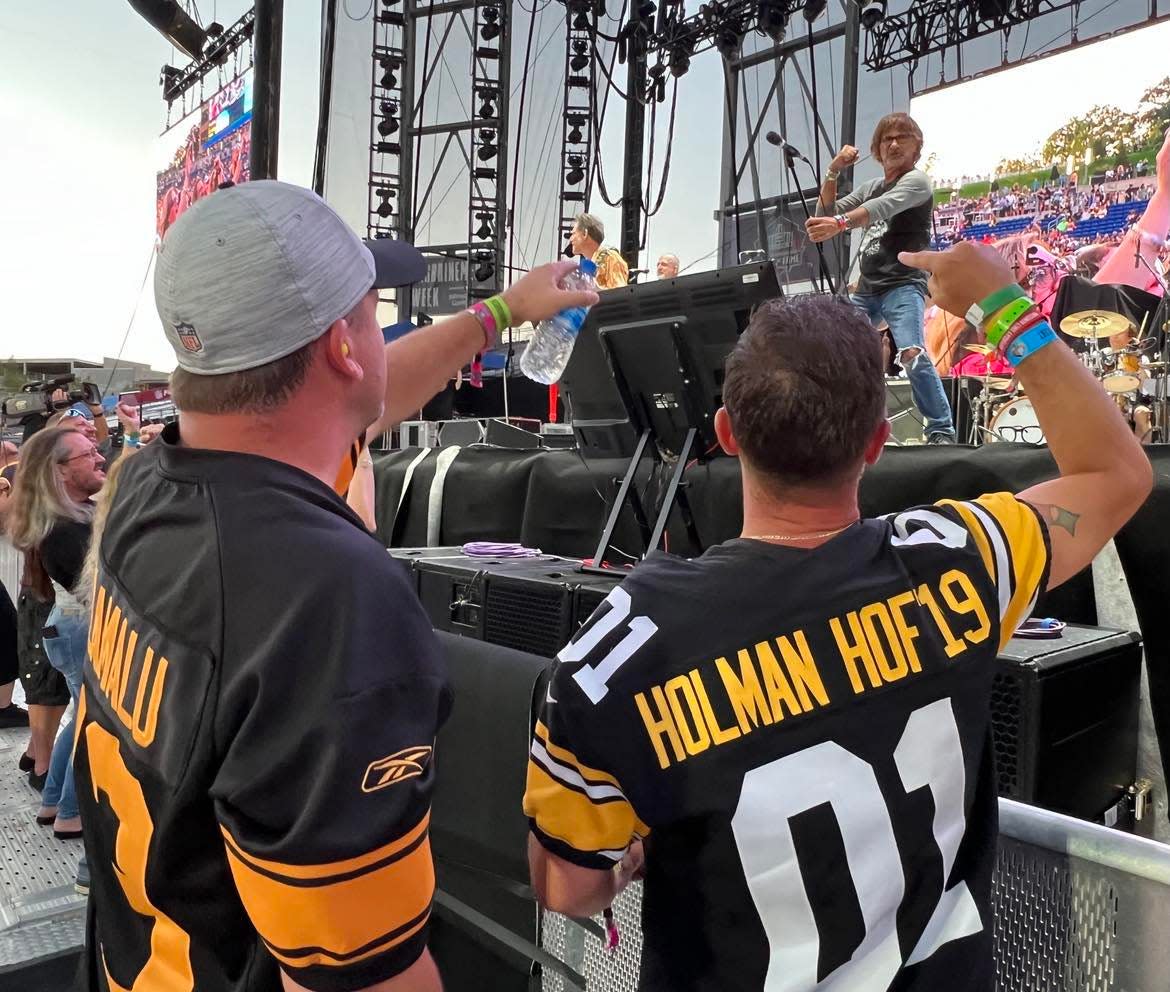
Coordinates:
(1058,516)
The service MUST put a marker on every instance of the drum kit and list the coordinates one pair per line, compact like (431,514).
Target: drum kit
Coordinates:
(1129,367)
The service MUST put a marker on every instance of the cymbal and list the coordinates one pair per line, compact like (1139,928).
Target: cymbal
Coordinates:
(1094,324)
(1002,384)
(980,349)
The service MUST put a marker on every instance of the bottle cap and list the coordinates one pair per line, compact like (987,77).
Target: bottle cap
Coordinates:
(588,266)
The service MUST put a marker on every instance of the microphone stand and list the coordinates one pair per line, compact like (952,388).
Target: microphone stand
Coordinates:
(826,276)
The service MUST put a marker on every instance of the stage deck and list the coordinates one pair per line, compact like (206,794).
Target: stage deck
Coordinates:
(41,916)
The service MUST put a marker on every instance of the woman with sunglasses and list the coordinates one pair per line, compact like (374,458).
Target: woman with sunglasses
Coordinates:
(50,521)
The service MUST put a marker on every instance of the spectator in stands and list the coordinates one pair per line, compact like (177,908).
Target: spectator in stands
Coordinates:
(1147,236)
(586,241)
(781,741)
(60,472)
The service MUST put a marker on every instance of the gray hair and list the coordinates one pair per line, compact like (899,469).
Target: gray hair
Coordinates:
(591,226)
(667,254)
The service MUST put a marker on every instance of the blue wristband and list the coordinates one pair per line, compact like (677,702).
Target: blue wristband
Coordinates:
(1030,342)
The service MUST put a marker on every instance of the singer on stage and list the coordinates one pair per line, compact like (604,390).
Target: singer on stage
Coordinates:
(895,212)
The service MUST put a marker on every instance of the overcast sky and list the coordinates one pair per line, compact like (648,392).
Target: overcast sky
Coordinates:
(81,112)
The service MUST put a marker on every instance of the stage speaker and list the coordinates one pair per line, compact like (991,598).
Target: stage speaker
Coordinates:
(1064,721)
(529,604)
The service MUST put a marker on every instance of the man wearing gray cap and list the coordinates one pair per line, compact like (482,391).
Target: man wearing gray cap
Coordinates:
(254,754)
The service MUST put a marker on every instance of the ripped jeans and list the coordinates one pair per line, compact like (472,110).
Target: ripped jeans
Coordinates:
(904,309)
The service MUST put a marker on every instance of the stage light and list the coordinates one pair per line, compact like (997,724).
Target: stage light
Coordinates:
(484,231)
(575,136)
(728,38)
(388,125)
(485,270)
(174,24)
(389,66)
(575,174)
(646,11)
(773,19)
(581,22)
(491,26)
(814,8)
(385,195)
(679,62)
(487,149)
(873,12)
(487,108)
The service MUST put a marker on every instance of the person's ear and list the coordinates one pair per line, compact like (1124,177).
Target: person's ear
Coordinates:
(877,443)
(724,434)
(338,345)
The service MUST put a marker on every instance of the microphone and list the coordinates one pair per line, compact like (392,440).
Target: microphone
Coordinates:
(773,138)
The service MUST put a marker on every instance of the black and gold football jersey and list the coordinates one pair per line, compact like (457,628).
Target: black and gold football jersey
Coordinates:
(254,753)
(800,737)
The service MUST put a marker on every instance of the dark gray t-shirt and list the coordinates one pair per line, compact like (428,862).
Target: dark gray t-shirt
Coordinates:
(899,220)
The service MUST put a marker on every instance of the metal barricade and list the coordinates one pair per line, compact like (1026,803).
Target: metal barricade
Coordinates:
(11,565)
(1077,908)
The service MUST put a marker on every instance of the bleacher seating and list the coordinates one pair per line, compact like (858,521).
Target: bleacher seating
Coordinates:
(1112,223)
(1004,228)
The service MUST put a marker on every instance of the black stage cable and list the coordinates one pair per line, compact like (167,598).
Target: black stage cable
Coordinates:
(599,122)
(328,46)
(133,314)
(651,211)
(812,62)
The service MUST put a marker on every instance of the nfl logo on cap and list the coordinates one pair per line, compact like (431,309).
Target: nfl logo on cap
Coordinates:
(188,337)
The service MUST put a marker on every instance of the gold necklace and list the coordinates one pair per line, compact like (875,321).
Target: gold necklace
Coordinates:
(797,537)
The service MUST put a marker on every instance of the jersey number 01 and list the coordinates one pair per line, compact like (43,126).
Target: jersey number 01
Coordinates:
(929,755)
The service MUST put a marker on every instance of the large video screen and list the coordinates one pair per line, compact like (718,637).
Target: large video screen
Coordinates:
(205,150)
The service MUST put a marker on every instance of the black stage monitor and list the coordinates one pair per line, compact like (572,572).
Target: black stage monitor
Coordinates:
(711,309)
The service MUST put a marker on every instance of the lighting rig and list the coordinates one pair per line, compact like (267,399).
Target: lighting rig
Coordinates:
(219,46)
(577,114)
(667,38)
(389,68)
(485,216)
(930,26)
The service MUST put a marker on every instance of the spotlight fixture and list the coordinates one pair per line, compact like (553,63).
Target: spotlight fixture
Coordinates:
(388,125)
(728,38)
(485,269)
(873,12)
(679,61)
(491,25)
(581,22)
(385,195)
(389,67)
(484,231)
(575,137)
(580,57)
(487,109)
(575,173)
(487,149)
(773,19)
(814,8)
(646,11)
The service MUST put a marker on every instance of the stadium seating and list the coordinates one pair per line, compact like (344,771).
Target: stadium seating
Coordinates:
(1089,230)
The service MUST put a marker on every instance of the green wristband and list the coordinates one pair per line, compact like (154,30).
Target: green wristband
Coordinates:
(500,311)
(986,308)
(1007,316)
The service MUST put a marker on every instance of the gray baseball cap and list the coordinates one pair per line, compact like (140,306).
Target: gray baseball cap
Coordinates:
(250,274)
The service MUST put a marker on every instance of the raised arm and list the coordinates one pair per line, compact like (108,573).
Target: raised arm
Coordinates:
(1148,235)
(1104,473)
(419,365)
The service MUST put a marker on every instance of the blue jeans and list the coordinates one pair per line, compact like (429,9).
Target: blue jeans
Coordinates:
(904,309)
(66,653)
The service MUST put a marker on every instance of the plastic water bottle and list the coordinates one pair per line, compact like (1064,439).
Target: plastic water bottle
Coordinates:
(548,352)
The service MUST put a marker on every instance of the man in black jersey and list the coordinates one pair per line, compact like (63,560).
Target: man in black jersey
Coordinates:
(255,747)
(793,727)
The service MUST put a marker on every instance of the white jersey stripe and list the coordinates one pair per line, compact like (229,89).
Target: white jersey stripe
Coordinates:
(571,777)
(1003,564)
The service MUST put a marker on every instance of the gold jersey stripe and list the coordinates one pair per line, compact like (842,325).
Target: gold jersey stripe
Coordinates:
(572,817)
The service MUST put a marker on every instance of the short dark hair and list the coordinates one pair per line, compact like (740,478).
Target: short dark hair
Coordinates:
(804,389)
(255,390)
(888,123)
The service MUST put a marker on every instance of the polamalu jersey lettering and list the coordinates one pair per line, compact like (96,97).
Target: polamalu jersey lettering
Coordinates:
(801,739)
(256,730)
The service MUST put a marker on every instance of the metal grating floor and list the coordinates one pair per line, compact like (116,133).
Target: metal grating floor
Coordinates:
(40,913)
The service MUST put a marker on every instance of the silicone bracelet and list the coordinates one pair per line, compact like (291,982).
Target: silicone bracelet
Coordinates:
(842,222)
(487,321)
(1004,319)
(1030,342)
(500,311)
(997,301)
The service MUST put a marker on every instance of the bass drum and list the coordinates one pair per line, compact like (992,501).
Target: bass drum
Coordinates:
(1016,421)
